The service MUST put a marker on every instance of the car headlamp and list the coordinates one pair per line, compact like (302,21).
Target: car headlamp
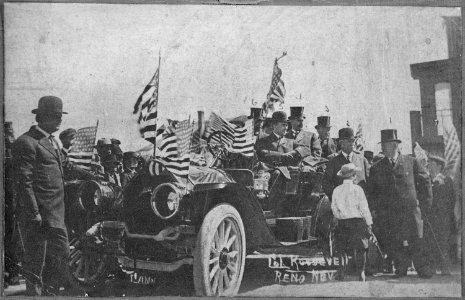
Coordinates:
(165,200)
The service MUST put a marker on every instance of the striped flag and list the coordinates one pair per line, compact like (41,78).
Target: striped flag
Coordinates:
(277,90)
(452,151)
(82,150)
(173,155)
(359,140)
(147,107)
(235,139)
(419,152)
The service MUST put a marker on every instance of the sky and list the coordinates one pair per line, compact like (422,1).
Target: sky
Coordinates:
(98,59)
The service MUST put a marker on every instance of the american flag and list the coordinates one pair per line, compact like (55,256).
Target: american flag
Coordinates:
(419,152)
(236,139)
(174,155)
(277,90)
(359,140)
(147,107)
(452,151)
(82,150)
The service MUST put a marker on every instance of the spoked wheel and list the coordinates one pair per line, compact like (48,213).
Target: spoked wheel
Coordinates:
(88,268)
(219,256)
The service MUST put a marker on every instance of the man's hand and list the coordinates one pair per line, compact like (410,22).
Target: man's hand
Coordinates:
(287,157)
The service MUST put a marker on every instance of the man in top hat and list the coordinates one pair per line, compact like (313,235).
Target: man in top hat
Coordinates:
(441,215)
(303,137)
(41,206)
(397,186)
(277,151)
(328,145)
(347,155)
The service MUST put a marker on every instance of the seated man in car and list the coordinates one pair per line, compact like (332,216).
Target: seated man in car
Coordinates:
(275,152)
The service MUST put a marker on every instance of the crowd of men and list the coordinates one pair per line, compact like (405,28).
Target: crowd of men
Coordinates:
(412,216)
(397,186)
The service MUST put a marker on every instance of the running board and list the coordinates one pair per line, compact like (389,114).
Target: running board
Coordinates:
(154,266)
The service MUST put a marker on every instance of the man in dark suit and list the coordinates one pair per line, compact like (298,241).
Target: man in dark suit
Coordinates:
(397,186)
(328,145)
(303,137)
(441,215)
(276,152)
(41,206)
(347,155)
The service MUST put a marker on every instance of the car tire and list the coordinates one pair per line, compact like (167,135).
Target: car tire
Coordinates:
(219,255)
(87,267)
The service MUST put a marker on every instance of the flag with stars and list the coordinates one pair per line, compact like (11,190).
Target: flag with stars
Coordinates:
(82,150)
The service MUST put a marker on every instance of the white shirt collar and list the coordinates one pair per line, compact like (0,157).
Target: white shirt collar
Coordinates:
(47,135)
(348,181)
(347,155)
(277,136)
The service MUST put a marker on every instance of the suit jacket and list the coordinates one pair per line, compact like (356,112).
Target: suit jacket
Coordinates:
(40,179)
(396,192)
(330,178)
(308,139)
(328,147)
(270,149)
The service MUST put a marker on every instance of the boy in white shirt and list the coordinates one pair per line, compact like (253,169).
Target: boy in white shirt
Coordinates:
(350,208)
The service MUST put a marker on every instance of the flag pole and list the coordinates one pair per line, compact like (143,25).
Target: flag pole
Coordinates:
(158,97)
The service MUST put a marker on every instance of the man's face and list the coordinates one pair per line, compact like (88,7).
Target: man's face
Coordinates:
(50,122)
(280,128)
(434,168)
(297,124)
(323,132)
(67,141)
(390,148)
(347,145)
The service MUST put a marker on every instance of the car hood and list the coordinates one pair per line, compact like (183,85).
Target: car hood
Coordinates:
(199,175)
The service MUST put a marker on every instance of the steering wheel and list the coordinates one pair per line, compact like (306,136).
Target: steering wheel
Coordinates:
(218,149)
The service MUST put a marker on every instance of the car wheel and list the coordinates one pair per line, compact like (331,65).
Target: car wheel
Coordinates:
(88,267)
(219,256)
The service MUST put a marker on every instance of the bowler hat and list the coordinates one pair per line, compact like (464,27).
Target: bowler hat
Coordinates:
(279,117)
(297,112)
(346,134)
(348,170)
(67,133)
(323,121)
(131,157)
(256,113)
(437,159)
(49,105)
(389,135)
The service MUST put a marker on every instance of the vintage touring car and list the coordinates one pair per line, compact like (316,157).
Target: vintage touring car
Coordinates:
(210,224)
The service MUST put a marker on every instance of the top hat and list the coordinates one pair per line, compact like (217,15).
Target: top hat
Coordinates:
(279,117)
(256,113)
(368,154)
(437,159)
(348,170)
(346,134)
(67,133)
(389,135)
(49,105)
(297,112)
(323,121)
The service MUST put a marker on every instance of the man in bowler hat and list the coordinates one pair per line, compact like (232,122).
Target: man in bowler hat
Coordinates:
(41,207)
(303,137)
(328,145)
(398,185)
(347,155)
(276,152)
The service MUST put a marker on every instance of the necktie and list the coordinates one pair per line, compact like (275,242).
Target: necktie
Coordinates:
(52,141)
(393,162)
